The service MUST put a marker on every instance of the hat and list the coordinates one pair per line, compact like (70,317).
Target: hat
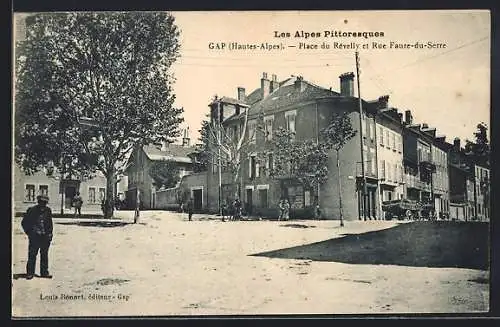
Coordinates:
(42,198)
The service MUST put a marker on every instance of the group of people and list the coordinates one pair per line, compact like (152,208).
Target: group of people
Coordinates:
(232,209)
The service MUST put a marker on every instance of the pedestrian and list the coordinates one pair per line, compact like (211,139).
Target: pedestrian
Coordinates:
(237,209)
(137,211)
(189,208)
(317,211)
(281,208)
(77,204)
(286,210)
(224,210)
(37,224)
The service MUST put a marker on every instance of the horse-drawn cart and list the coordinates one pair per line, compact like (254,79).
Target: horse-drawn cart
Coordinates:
(407,209)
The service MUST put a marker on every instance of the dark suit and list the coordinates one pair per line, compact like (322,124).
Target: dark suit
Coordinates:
(37,224)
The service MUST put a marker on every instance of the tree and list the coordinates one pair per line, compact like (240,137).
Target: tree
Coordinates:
(479,149)
(164,174)
(109,69)
(304,161)
(200,156)
(335,136)
(225,148)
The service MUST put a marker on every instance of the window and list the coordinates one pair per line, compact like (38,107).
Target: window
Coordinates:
(372,130)
(290,120)
(382,169)
(92,197)
(394,141)
(43,190)
(251,131)
(381,135)
(396,176)
(102,194)
(268,127)
(363,126)
(269,162)
(252,169)
(29,193)
(386,138)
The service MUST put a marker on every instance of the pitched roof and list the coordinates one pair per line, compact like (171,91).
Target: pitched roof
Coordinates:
(232,101)
(173,152)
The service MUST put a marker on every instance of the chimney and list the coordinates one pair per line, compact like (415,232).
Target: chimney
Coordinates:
(383,101)
(265,85)
(425,126)
(408,117)
(299,84)
(186,140)
(347,84)
(456,144)
(274,83)
(400,115)
(241,94)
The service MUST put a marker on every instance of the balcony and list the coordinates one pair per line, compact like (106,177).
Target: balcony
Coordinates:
(414,182)
(428,165)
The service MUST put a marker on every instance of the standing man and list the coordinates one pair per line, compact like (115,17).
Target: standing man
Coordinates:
(77,204)
(190,208)
(137,206)
(37,224)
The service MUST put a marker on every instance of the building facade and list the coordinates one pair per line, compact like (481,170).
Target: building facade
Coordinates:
(140,163)
(304,108)
(59,188)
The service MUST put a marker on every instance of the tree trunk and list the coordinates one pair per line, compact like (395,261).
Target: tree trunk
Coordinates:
(110,196)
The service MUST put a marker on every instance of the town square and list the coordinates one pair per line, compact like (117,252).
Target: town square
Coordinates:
(164,169)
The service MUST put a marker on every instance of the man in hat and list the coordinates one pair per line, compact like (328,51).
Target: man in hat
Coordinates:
(37,224)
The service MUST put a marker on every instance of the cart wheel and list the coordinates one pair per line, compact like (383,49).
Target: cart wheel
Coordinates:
(408,214)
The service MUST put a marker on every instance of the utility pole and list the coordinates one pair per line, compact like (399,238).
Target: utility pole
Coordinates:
(361,138)
(219,126)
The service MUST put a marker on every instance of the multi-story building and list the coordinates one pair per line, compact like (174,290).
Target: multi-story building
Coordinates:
(481,192)
(139,165)
(304,108)
(389,128)
(425,166)
(461,183)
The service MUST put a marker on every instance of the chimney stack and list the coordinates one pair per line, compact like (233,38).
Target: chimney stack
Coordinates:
(347,84)
(265,85)
(274,83)
(383,101)
(186,140)
(299,84)
(456,144)
(408,117)
(241,94)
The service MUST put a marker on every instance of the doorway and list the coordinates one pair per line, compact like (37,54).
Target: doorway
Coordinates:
(249,201)
(198,199)
(69,194)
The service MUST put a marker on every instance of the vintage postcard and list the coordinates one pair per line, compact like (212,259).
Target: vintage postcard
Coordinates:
(251,163)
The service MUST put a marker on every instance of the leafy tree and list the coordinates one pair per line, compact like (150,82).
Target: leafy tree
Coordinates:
(305,161)
(336,135)
(479,149)
(226,149)
(201,155)
(91,87)
(164,173)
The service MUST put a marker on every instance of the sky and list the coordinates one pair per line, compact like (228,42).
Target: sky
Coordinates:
(447,88)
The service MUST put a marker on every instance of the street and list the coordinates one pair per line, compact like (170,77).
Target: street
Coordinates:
(166,265)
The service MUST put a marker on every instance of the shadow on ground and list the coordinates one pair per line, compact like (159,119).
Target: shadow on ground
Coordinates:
(419,244)
(298,226)
(95,224)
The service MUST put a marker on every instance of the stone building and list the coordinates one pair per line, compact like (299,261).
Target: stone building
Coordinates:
(139,165)
(305,108)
